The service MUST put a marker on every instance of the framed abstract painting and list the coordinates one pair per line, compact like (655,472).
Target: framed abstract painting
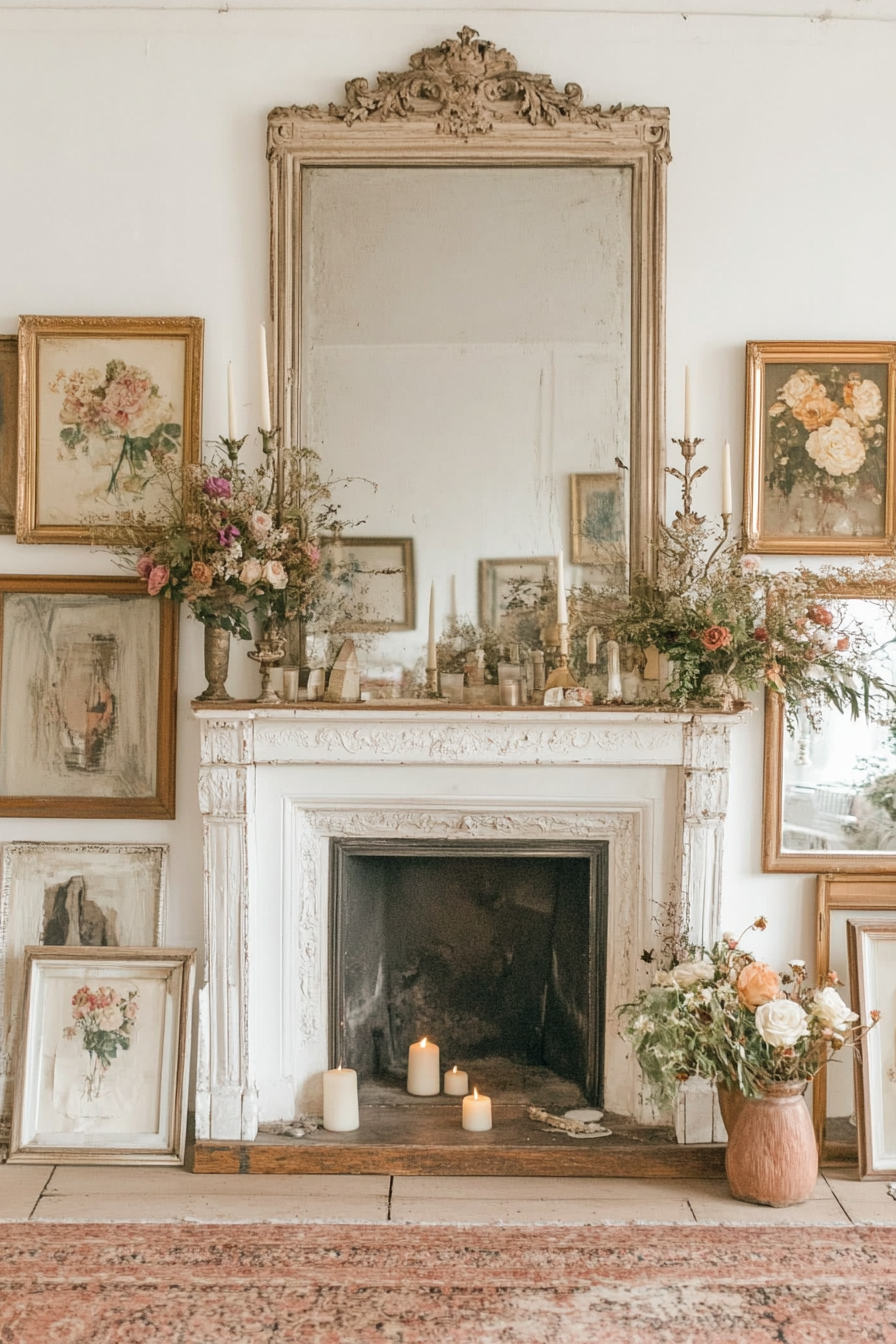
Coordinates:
(88,687)
(369,583)
(9,376)
(820,459)
(103,1061)
(105,402)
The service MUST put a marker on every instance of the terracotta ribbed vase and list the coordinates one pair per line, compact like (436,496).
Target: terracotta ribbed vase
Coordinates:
(772,1157)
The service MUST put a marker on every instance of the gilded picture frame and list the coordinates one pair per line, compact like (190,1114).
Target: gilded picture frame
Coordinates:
(9,422)
(820,447)
(510,594)
(597,519)
(852,894)
(830,810)
(872,970)
(123,1100)
(371,580)
(103,401)
(88,691)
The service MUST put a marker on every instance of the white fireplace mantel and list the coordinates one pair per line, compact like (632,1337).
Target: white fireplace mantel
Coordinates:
(277,784)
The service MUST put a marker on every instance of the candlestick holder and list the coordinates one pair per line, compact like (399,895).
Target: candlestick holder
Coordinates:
(269,649)
(233,446)
(687,477)
(561,675)
(432,680)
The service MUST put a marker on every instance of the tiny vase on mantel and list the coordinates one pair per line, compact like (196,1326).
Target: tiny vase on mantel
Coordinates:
(217,661)
(772,1156)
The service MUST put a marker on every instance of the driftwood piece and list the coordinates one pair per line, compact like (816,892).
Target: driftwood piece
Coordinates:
(292,1129)
(576,1129)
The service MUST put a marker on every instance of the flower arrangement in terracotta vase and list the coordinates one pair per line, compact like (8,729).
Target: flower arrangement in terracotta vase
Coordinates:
(760,1036)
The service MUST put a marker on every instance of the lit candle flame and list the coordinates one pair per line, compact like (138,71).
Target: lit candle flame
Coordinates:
(475,1094)
(423,1042)
(454,1070)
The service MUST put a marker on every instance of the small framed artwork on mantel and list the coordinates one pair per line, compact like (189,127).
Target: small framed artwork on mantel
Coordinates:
(369,582)
(88,687)
(820,460)
(597,512)
(106,404)
(511,594)
(9,375)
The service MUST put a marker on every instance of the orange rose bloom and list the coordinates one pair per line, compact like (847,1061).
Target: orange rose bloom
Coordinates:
(815,409)
(716,637)
(757,984)
(201,573)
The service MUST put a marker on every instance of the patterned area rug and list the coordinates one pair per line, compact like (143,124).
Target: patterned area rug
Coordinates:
(342,1284)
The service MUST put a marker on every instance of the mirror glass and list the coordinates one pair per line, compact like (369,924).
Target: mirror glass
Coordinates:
(839,783)
(466,339)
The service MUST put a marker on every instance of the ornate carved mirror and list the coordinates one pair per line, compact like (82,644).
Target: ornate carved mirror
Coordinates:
(467,293)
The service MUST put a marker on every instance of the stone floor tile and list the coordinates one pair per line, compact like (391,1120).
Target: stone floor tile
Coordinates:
(20,1189)
(534,1187)
(222,1208)
(563,1211)
(824,1212)
(151,1181)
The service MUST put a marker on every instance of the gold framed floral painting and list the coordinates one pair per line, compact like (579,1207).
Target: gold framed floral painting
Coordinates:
(820,447)
(9,373)
(103,402)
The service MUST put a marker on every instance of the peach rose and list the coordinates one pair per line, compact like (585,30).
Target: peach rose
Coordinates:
(716,637)
(757,984)
(815,409)
(201,573)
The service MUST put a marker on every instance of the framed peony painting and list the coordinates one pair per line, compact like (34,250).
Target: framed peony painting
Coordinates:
(820,448)
(102,401)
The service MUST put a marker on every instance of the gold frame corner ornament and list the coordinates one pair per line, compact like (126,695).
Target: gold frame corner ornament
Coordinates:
(466,103)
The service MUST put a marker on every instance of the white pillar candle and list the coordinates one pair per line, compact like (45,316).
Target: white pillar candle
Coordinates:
(614,679)
(341,1100)
(687,402)
(231,403)
(265,390)
(424,1076)
(726,478)
(456,1083)
(562,609)
(431,658)
(593,641)
(477,1112)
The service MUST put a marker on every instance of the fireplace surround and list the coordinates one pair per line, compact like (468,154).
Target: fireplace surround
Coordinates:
(279,787)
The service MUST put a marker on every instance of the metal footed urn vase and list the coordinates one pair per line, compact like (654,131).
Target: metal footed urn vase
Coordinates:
(772,1157)
(217,661)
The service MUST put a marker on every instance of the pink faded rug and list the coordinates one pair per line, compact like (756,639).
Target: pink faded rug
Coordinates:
(181,1283)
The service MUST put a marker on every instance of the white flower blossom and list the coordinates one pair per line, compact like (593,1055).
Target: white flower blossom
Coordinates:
(781,1022)
(831,1011)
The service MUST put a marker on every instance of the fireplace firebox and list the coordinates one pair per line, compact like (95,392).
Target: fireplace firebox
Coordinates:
(496,950)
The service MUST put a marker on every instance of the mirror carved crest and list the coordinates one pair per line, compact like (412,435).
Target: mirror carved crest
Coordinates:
(466,86)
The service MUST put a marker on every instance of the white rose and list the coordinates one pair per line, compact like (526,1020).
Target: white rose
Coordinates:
(799,386)
(109,1019)
(867,400)
(275,574)
(837,448)
(692,972)
(260,524)
(251,572)
(781,1022)
(831,1011)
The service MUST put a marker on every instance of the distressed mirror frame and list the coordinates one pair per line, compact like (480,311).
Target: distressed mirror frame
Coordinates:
(464,103)
(774,858)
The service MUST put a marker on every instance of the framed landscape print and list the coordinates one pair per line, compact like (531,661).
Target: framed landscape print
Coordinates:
(103,1060)
(511,594)
(71,895)
(597,512)
(370,582)
(828,796)
(88,686)
(105,401)
(839,899)
(9,378)
(820,447)
(872,970)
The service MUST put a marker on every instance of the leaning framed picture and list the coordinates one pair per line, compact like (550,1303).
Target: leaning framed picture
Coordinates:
(369,583)
(512,594)
(105,402)
(820,447)
(103,1060)
(872,969)
(88,689)
(840,898)
(70,894)
(9,420)
(597,519)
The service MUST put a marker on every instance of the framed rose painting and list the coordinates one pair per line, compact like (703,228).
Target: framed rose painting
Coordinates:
(106,404)
(820,447)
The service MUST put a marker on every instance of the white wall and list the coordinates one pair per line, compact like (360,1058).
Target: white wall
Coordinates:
(133,180)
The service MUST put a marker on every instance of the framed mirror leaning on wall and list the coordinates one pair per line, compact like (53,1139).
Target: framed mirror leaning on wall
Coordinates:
(468,281)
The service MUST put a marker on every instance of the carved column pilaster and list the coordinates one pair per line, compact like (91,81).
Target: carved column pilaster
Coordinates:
(703,804)
(226,1099)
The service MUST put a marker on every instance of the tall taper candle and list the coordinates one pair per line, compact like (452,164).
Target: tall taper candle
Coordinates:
(231,403)
(562,609)
(726,479)
(452,600)
(687,402)
(431,658)
(265,390)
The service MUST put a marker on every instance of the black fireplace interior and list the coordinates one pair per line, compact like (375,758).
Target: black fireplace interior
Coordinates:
(494,951)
